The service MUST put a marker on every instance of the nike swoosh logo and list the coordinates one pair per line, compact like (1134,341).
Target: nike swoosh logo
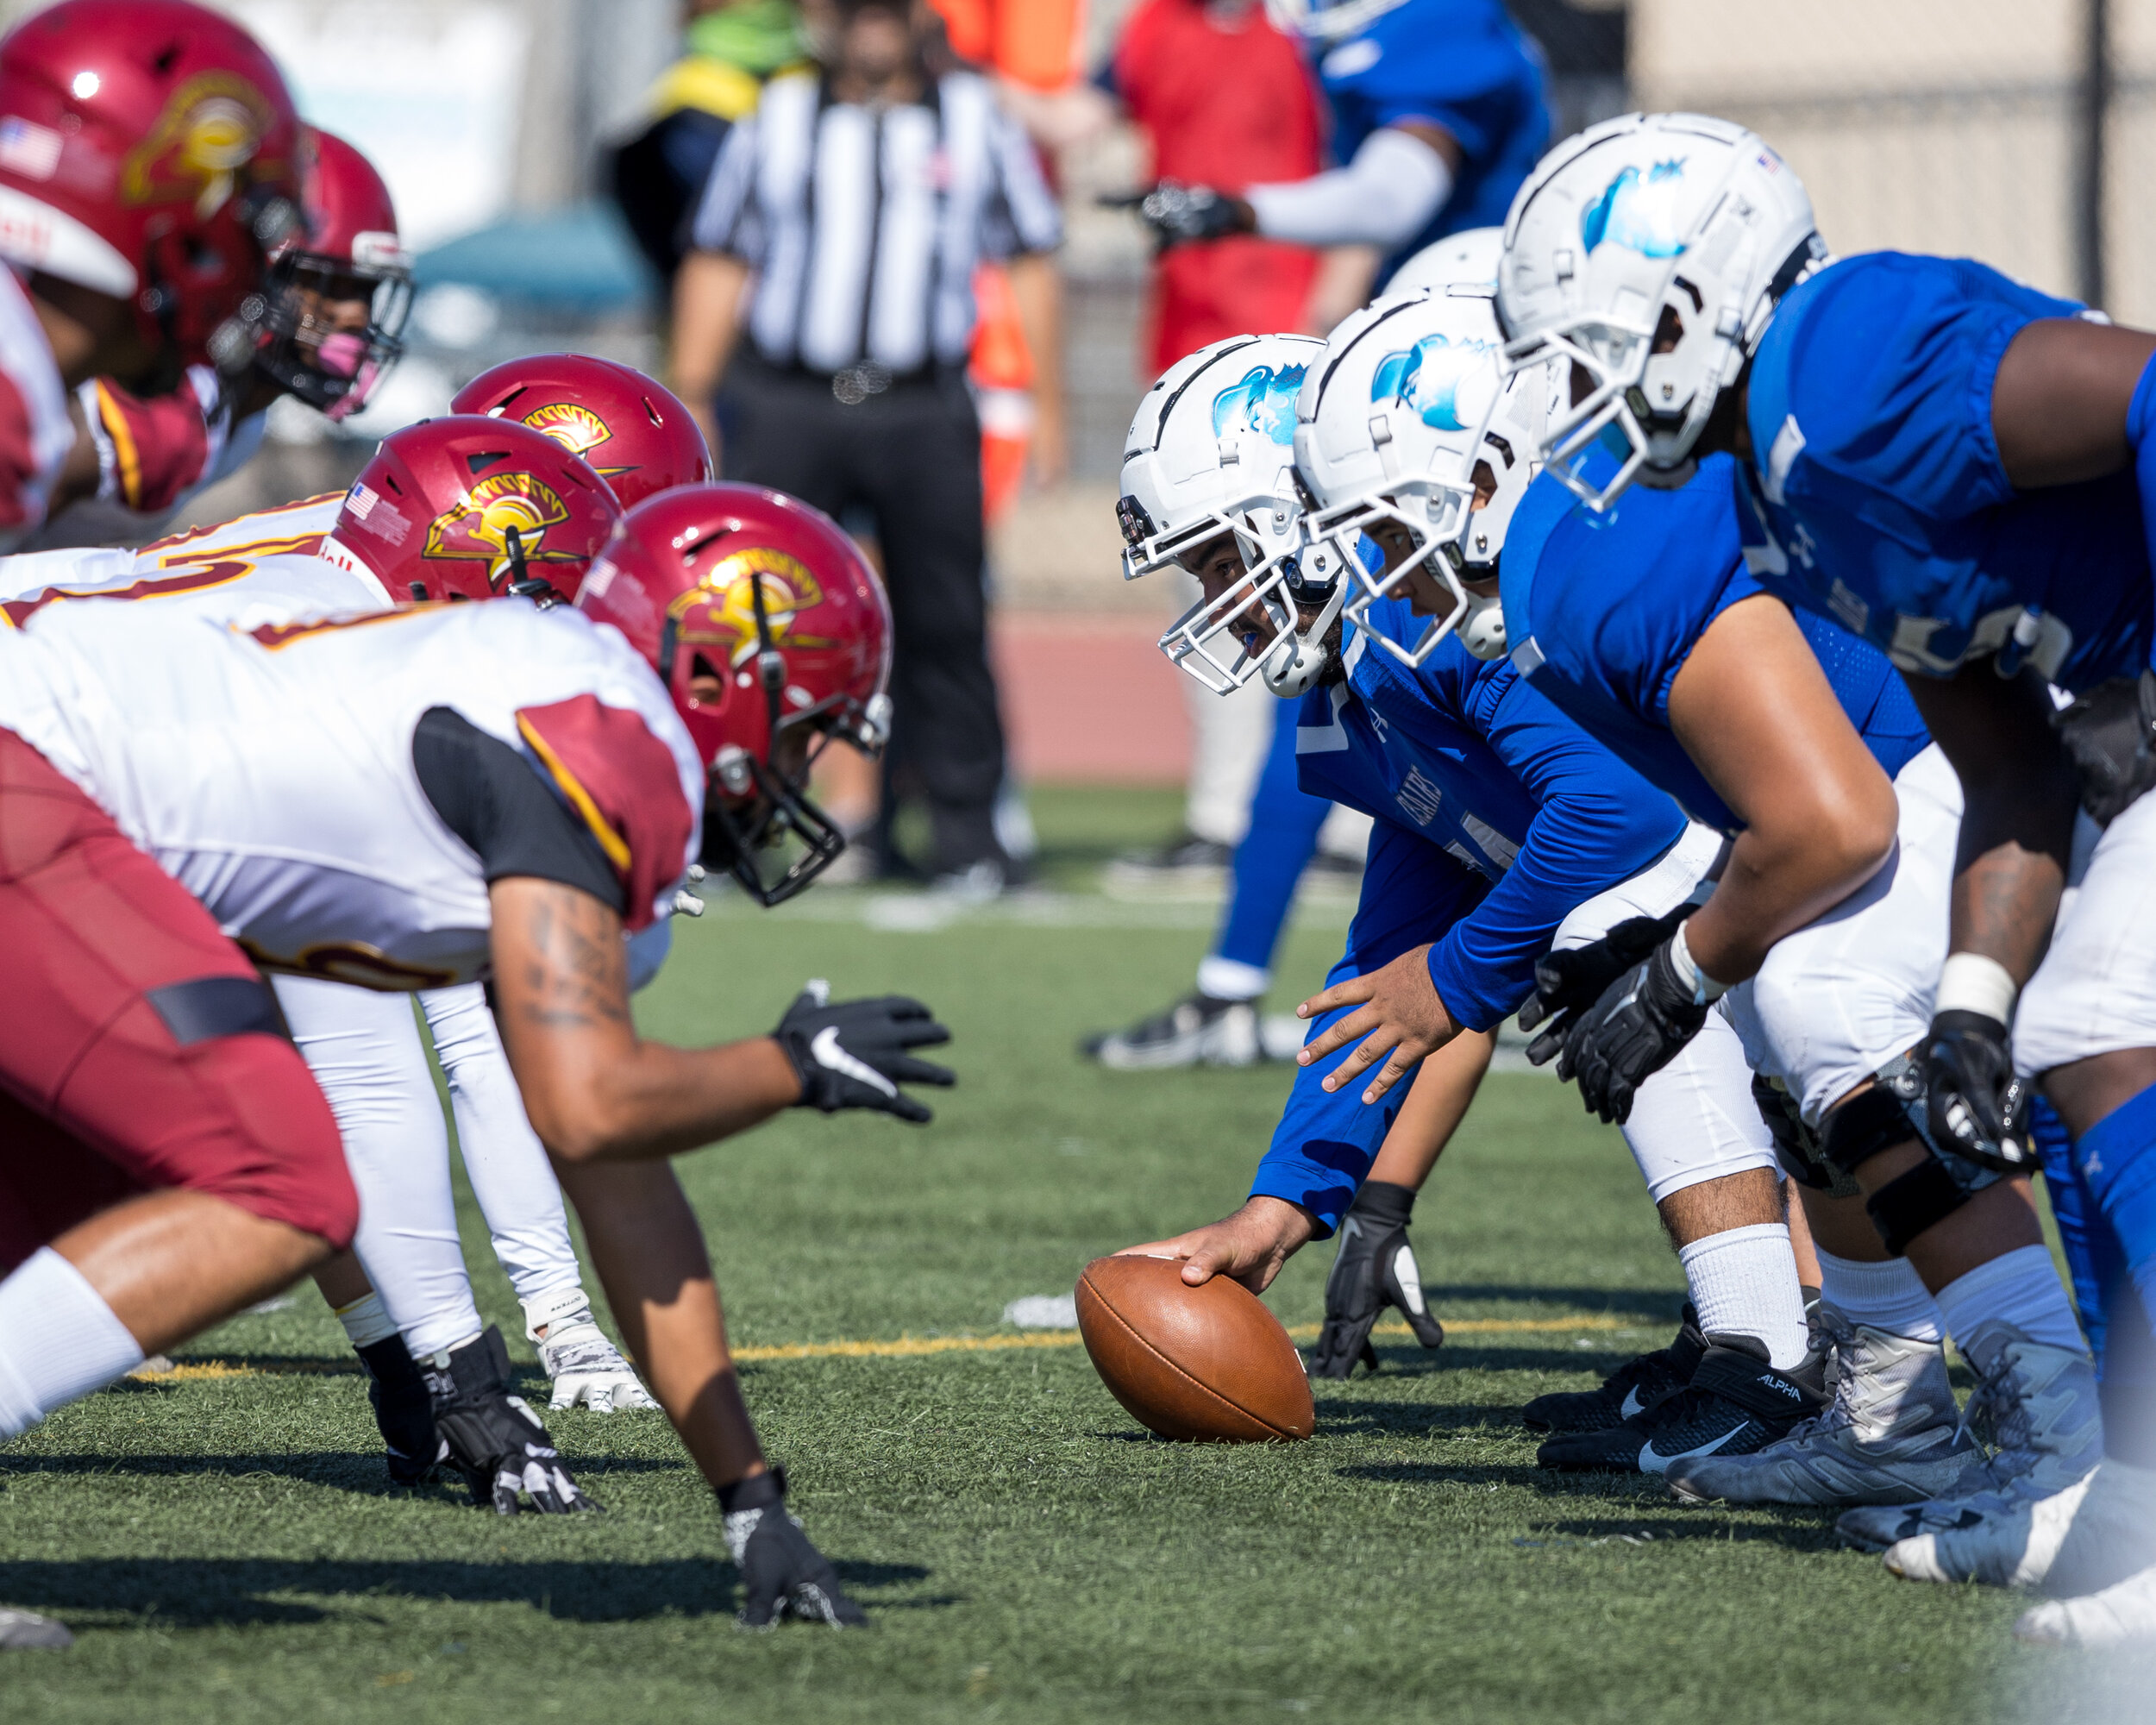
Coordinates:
(825,1047)
(1408,1274)
(1651,1460)
(1631,1405)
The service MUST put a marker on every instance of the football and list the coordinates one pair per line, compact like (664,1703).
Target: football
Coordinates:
(1207,1364)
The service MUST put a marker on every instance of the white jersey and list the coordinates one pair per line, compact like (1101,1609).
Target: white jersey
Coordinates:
(269,770)
(247,591)
(301,528)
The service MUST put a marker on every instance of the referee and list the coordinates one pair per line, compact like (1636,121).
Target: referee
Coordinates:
(849,215)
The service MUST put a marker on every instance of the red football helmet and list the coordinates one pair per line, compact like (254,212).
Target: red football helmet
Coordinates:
(773,635)
(471,508)
(147,151)
(635,431)
(340,288)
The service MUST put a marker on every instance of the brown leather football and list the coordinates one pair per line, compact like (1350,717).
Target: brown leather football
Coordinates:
(1207,1364)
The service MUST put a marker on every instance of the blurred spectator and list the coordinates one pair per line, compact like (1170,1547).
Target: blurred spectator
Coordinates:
(849,389)
(731,48)
(1035,51)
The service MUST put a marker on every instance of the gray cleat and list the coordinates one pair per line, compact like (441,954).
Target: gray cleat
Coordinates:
(1196,1032)
(2037,1406)
(1891,1435)
(28,1629)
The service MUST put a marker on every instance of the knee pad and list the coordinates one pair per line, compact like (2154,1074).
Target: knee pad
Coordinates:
(1911,1202)
(1796,1146)
(1888,1115)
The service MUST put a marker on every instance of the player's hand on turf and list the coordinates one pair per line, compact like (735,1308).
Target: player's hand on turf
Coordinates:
(495,1441)
(855,1054)
(782,1575)
(1972,1100)
(1183,215)
(1375,1267)
(1398,1016)
(1249,1246)
(588,1369)
(1569,982)
(1632,1031)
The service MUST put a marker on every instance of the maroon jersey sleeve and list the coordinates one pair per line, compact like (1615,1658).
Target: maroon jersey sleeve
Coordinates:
(624,783)
(160,447)
(18,461)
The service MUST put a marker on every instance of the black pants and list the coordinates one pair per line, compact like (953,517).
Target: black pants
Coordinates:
(912,455)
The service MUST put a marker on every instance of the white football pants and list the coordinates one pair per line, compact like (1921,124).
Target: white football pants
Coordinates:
(2095,991)
(1694,1120)
(1842,997)
(366,1050)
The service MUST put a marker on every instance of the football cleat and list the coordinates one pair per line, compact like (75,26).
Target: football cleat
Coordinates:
(1190,866)
(1891,1434)
(403,1411)
(1736,1403)
(1196,1032)
(2037,1405)
(587,1367)
(2123,1612)
(1633,1387)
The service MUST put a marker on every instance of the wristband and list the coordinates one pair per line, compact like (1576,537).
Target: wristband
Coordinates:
(1970,982)
(1702,988)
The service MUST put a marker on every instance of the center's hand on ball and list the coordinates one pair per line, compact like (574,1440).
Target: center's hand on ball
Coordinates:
(1249,1246)
(1399,1014)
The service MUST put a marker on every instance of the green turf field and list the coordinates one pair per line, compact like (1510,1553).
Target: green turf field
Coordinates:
(226,1549)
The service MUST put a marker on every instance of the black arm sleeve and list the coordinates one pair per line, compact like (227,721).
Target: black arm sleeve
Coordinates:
(497,802)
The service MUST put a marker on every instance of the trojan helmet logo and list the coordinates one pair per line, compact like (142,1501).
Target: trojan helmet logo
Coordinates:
(479,526)
(574,427)
(208,133)
(729,595)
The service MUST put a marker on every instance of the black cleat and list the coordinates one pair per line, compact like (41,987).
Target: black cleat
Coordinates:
(1633,1387)
(1735,1403)
(403,1412)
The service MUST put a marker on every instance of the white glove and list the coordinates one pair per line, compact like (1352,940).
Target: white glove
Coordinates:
(587,1368)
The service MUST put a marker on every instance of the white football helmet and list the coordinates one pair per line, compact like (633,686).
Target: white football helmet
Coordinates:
(1466,260)
(1411,400)
(1651,252)
(1211,452)
(1326,21)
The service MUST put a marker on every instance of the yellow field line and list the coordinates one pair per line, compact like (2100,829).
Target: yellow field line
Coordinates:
(911,1346)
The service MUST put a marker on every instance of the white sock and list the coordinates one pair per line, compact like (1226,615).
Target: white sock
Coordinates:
(59,1341)
(2023,1288)
(1889,1296)
(1744,1283)
(365,1320)
(1230,979)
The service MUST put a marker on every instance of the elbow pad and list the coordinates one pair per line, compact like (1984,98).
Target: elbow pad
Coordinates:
(1384,198)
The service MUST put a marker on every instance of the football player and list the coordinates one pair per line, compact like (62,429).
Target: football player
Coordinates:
(325,329)
(418,798)
(1944,462)
(1500,825)
(149,163)
(1440,111)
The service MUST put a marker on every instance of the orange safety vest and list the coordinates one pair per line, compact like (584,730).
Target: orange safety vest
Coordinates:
(1037,43)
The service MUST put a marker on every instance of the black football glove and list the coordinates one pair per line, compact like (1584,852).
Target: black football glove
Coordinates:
(1632,1031)
(1973,1103)
(853,1054)
(403,1411)
(1181,215)
(782,1575)
(1374,1268)
(494,1440)
(1568,983)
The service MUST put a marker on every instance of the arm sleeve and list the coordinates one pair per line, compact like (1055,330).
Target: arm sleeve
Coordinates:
(1598,823)
(726,218)
(1323,1146)
(1384,198)
(1020,214)
(493,798)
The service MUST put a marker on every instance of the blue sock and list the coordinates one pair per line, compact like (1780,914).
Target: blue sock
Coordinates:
(2092,1253)
(2116,1159)
(1282,839)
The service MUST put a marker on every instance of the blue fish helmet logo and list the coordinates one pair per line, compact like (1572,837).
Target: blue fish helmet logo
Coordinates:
(1644,213)
(1428,378)
(1263,401)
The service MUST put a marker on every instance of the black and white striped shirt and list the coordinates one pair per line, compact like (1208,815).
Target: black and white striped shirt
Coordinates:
(865,223)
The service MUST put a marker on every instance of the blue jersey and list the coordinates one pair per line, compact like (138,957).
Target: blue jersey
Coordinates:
(1496,816)
(1461,64)
(1876,493)
(1604,608)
